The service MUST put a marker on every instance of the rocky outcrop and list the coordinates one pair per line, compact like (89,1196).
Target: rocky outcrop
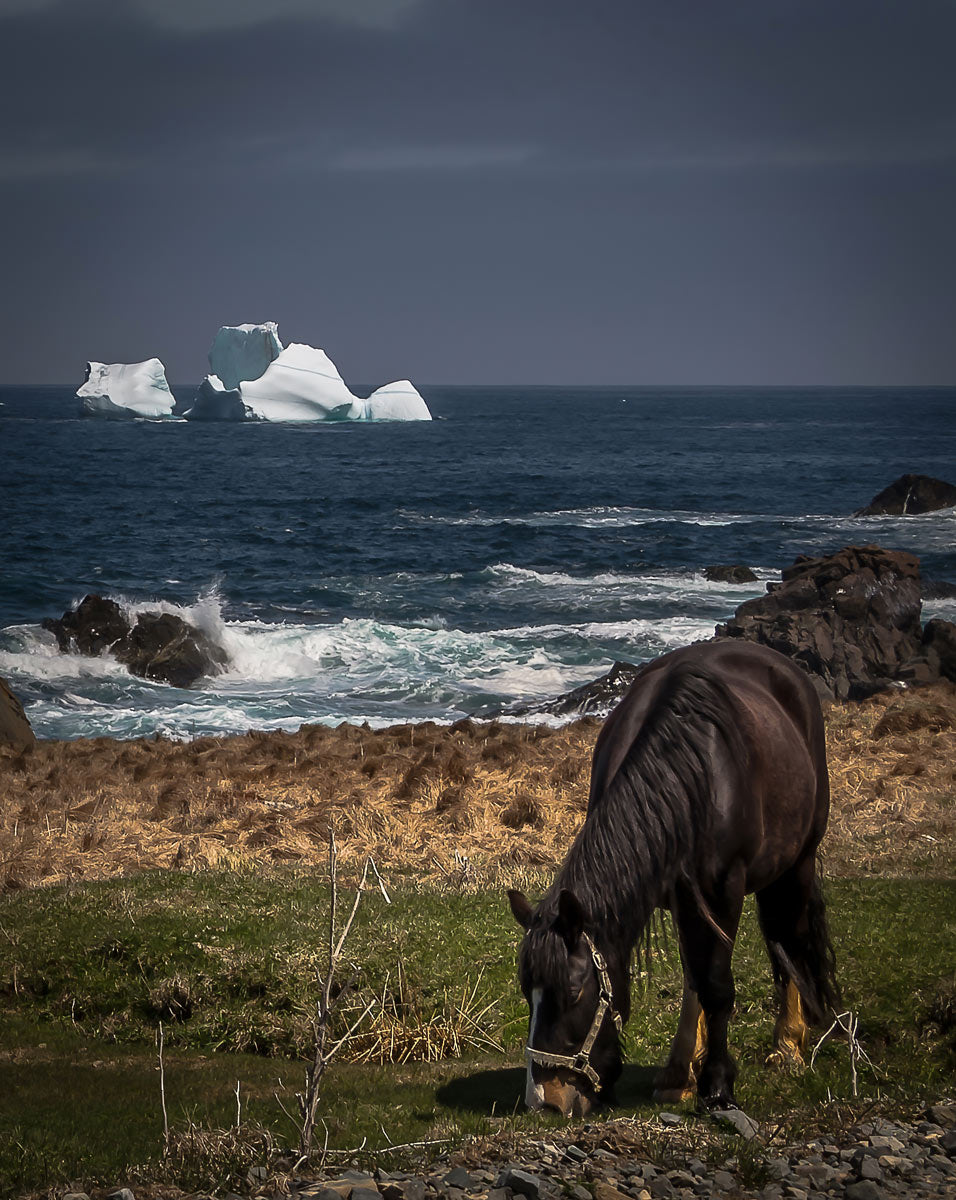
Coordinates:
(160,646)
(939,644)
(15,730)
(851,619)
(729,573)
(910,495)
(90,628)
(164,647)
(594,699)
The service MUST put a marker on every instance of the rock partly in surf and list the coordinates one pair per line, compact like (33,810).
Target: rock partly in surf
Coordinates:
(164,647)
(160,646)
(851,619)
(729,573)
(15,730)
(909,496)
(90,628)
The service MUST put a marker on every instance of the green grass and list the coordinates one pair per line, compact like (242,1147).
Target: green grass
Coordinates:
(227,962)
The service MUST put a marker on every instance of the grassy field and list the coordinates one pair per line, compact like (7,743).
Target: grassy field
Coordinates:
(226,961)
(150,881)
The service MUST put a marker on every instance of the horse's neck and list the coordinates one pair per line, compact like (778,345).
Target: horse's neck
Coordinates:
(619,897)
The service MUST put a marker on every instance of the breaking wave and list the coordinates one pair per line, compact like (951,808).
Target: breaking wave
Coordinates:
(283,673)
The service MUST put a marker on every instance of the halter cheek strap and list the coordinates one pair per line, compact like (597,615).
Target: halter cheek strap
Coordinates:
(580,1063)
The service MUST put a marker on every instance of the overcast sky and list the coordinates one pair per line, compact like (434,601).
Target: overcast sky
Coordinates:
(484,191)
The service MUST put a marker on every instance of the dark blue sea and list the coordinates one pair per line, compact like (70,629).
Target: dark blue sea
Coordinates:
(505,552)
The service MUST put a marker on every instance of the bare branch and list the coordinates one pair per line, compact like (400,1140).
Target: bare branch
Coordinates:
(327,1003)
(848,1023)
(162,1087)
(381,886)
(348,924)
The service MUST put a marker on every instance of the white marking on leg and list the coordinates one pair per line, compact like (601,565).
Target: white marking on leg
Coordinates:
(533,1092)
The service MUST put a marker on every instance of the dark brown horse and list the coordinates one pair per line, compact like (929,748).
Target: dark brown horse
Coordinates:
(709,781)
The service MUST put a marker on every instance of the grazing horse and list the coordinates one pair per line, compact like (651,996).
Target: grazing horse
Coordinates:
(709,781)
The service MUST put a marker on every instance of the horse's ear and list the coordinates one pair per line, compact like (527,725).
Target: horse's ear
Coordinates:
(571,918)
(521,907)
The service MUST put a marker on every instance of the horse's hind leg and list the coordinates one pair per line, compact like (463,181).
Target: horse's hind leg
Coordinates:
(794,928)
(707,945)
(677,1079)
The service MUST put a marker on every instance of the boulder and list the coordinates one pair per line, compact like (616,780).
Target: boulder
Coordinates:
(910,495)
(15,729)
(939,642)
(729,573)
(163,647)
(939,589)
(159,646)
(90,628)
(596,698)
(851,619)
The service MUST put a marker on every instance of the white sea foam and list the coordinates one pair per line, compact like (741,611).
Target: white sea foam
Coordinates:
(673,585)
(280,675)
(389,669)
(935,530)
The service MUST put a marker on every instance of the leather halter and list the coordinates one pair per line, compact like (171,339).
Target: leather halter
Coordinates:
(580,1063)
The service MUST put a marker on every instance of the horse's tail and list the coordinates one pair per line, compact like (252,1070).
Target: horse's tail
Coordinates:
(807,957)
(820,958)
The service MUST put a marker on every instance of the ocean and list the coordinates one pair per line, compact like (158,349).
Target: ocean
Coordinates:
(507,551)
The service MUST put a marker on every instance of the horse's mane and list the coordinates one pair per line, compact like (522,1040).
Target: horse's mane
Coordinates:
(650,826)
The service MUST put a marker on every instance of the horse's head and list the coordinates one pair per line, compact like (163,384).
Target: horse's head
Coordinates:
(574,1054)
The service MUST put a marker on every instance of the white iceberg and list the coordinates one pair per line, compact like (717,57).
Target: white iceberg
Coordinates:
(399,401)
(302,384)
(126,390)
(242,352)
(213,402)
(255,379)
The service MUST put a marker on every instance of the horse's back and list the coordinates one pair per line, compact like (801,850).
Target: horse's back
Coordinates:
(774,776)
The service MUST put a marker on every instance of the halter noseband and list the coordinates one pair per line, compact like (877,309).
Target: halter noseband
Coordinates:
(580,1063)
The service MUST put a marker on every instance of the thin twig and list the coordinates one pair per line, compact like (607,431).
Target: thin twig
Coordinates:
(848,1023)
(348,924)
(385,896)
(392,1147)
(162,1087)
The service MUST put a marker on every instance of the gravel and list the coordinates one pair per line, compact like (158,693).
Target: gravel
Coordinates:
(879,1159)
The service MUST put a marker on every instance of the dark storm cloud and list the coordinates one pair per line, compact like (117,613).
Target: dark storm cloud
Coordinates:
(744,190)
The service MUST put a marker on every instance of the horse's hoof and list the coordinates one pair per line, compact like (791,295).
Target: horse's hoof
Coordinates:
(786,1058)
(711,1104)
(674,1095)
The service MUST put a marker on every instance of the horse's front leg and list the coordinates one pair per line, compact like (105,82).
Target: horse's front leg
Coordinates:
(677,1079)
(708,947)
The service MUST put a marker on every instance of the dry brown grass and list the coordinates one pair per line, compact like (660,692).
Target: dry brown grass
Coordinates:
(893,778)
(463,802)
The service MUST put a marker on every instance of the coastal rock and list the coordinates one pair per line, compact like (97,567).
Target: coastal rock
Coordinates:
(160,646)
(163,647)
(939,589)
(729,573)
(15,729)
(590,699)
(90,628)
(852,619)
(939,640)
(910,495)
